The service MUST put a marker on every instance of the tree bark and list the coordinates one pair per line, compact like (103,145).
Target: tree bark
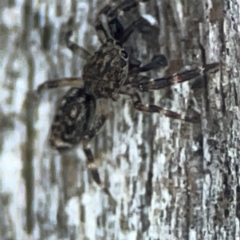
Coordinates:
(170,179)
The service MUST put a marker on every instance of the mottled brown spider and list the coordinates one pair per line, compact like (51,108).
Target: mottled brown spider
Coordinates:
(110,71)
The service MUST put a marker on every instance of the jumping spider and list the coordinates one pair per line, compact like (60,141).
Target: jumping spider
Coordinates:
(110,71)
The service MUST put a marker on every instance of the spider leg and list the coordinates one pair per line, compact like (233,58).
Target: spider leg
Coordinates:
(63,82)
(116,29)
(156,62)
(137,102)
(91,163)
(75,48)
(97,126)
(101,31)
(144,83)
(80,51)
(135,68)
(119,33)
(133,64)
(92,166)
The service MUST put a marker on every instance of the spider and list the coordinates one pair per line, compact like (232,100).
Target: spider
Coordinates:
(108,73)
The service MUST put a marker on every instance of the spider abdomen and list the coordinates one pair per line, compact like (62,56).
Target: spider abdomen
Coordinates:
(72,119)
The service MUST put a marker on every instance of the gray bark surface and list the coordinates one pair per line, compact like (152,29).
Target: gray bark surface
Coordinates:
(171,179)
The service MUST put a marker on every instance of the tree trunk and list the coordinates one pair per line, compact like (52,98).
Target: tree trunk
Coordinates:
(170,179)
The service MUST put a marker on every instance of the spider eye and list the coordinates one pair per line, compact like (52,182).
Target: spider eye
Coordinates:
(124,54)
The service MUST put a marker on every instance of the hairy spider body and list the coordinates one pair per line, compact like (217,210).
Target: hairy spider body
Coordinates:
(105,70)
(110,71)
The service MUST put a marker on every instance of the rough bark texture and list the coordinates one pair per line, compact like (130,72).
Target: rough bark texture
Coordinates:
(171,179)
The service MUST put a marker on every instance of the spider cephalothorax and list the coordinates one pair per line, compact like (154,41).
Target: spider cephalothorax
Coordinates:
(106,71)
(109,72)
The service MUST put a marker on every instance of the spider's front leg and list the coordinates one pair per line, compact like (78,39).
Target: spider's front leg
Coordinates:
(116,29)
(137,102)
(75,48)
(144,83)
